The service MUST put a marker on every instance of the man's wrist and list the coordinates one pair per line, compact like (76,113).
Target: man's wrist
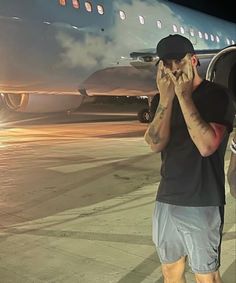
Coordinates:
(165,102)
(187,98)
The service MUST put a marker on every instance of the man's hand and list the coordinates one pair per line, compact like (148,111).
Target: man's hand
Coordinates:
(183,83)
(164,83)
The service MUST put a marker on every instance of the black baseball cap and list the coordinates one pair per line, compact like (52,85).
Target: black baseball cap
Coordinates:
(174,47)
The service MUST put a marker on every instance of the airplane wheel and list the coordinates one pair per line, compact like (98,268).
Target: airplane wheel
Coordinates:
(144,116)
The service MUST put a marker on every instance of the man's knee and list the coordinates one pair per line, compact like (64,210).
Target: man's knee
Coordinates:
(213,277)
(174,272)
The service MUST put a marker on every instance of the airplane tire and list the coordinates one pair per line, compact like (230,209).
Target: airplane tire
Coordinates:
(144,116)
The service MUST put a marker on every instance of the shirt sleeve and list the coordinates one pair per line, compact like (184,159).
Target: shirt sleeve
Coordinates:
(221,108)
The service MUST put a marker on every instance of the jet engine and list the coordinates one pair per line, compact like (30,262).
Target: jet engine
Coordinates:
(39,103)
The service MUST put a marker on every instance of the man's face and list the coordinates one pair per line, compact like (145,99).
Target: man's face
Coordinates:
(178,66)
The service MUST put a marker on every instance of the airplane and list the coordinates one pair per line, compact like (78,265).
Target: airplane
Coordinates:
(56,53)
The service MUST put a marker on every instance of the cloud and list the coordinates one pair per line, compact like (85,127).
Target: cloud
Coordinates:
(87,53)
(97,50)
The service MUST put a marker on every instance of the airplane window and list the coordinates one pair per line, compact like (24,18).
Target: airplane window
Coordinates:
(175,29)
(206,36)
(182,30)
(141,20)
(200,34)
(191,32)
(88,6)
(100,9)
(122,15)
(217,38)
(62,2)
(228,41)
(75,4)
(159,25)
(75,27)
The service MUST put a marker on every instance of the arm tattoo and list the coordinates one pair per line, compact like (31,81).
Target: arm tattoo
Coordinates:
(154,135)
(199,122)
(161,109)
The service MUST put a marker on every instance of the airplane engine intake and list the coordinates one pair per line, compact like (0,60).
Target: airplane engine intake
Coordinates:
(39,103)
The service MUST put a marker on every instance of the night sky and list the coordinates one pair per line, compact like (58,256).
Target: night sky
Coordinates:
(222,9)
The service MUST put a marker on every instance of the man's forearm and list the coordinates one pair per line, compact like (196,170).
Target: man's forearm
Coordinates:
(157,134)
(202,133)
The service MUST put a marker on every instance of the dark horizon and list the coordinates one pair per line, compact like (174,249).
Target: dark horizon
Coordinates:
(221,10)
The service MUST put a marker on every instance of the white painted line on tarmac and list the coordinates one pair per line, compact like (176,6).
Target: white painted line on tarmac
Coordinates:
(72,168)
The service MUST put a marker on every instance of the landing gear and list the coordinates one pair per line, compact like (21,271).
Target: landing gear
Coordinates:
(146,115)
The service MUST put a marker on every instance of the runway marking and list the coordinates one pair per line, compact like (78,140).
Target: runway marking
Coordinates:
(72,168)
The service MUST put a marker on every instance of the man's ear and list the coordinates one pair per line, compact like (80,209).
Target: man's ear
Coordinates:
(194,60)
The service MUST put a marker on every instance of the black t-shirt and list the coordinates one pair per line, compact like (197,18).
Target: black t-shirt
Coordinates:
(189,179)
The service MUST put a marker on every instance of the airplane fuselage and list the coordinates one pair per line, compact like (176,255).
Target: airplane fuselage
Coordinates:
(61,47)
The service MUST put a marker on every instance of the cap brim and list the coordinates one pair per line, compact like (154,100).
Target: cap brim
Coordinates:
(171,57)
(174,56)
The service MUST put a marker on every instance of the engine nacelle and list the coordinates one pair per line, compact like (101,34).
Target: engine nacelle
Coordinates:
(40,103)
(222,69)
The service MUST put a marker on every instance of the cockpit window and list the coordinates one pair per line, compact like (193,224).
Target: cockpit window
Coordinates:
(100,9)
(75,4)
(62,2)
(88,6)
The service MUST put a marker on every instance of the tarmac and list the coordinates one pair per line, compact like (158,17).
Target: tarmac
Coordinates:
(50,238)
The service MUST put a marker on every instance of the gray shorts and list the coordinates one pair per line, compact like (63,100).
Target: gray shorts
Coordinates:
(193,231)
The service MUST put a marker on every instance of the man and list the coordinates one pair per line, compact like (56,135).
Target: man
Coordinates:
(231,174)
(191,129)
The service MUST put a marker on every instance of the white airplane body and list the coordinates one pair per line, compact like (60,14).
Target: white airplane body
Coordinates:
(55,52)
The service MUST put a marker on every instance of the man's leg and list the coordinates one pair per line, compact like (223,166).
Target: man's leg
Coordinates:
(169,244)
(213,277)
(174,272)
(201,228)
